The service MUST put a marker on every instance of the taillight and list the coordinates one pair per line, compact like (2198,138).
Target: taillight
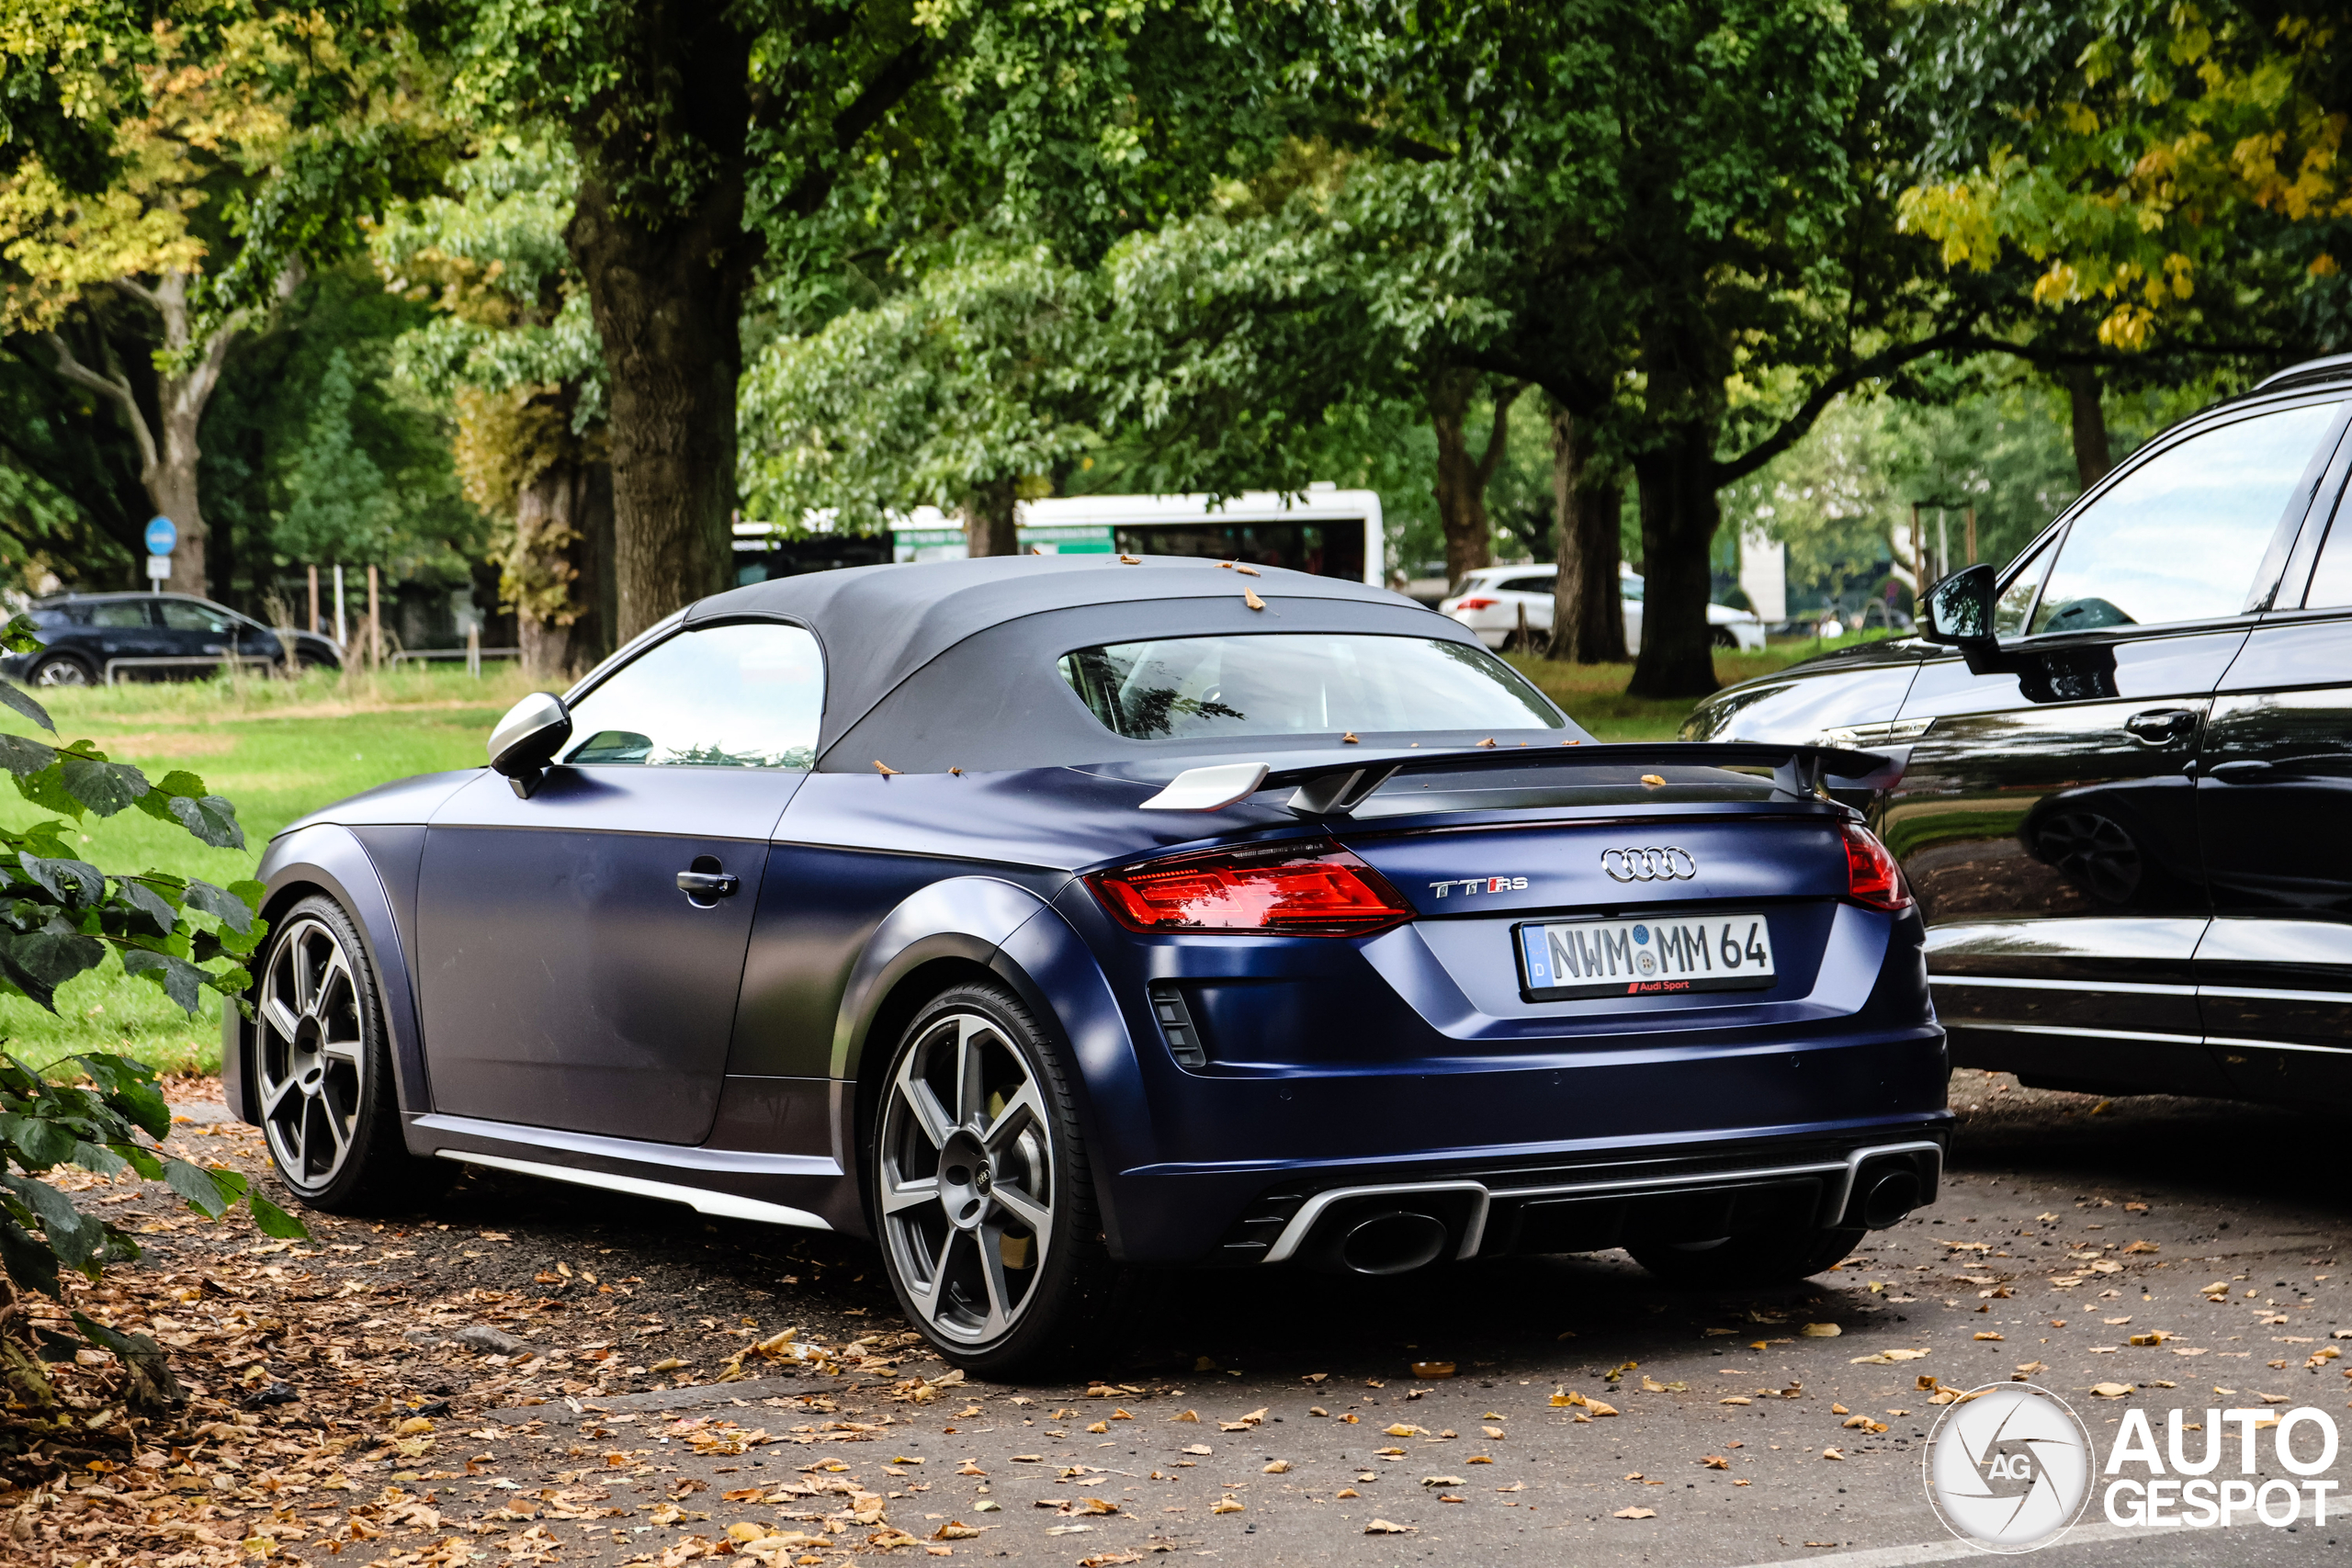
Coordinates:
(1872,876)
(1478,604)
(1314,888)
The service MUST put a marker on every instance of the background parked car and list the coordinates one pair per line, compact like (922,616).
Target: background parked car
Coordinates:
(1491,597)
(81,633)
(2131,767)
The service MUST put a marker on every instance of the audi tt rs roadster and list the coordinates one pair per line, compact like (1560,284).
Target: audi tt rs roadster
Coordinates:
(1051,918)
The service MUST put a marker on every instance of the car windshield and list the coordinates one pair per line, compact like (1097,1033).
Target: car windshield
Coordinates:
(1289,683)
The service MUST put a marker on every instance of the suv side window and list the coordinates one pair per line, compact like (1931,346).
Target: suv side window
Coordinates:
(2332,579)
(747,695)
(2183,536)
(2016,600)
(181,616)
(1538,584)
(121,613)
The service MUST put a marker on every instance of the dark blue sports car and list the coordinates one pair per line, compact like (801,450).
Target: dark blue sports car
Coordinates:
(1051,917)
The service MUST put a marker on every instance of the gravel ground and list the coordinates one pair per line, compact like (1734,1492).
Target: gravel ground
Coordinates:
(1591,1414)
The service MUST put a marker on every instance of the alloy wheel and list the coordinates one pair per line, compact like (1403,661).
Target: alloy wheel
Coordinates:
(311,1064)
(60,672)
(966,1191)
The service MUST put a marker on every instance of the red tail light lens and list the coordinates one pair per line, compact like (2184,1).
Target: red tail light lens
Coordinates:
(1872,876)
(1478,604)
(1305,889)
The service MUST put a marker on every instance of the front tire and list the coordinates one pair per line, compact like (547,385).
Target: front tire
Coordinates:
(62,670)
(982,1196)
(1767,1257)
(323,1067)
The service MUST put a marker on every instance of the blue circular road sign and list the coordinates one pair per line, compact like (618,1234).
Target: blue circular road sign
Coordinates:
(161,536)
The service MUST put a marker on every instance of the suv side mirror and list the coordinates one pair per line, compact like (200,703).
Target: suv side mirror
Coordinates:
(527,738)
(1958,612)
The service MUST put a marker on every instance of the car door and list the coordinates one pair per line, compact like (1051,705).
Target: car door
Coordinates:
(568,979)
(126,628)
(193,629)
(2274,798)
(2047,822)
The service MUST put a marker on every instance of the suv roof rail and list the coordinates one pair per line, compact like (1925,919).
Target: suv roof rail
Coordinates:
(2310,369)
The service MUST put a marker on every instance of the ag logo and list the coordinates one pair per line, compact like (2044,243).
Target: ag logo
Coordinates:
(2009,1468)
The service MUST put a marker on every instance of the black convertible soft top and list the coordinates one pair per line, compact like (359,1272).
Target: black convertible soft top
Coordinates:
(953,663)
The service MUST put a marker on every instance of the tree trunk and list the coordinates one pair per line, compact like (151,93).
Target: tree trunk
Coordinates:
(666,300)
(1460,495)
(167,467)
(1588,611)
(993,519)
(2091,460)
(1678,518)
(553,573)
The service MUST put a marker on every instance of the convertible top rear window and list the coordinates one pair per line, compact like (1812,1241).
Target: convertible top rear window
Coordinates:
(1295,684)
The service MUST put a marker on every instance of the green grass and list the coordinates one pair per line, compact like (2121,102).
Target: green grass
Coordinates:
(278,749)
(1595,696)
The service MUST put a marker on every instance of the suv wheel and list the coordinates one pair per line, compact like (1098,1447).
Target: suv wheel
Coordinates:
(323,1068)
(1767,1257)
(980,1188)
(61,669)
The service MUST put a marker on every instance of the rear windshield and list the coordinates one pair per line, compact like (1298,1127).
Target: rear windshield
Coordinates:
(1292,684)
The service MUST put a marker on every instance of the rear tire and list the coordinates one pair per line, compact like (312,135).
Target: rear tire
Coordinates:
(981,1194)
(1769,1258)
(323,1069)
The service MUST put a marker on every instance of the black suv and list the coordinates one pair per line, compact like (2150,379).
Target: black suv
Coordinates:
(2127,811)
(82,633)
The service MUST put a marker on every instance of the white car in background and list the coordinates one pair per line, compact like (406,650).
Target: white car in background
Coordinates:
(1491,597)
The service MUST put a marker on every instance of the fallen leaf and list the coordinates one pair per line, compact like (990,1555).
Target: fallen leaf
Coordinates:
(1399,1429)
(1247,571)
(1655,782)
(1186,1416)
(1635,1513)
(1130,560)
(1249,597)
(2110,1389)
(1986,1333)
(1225,1505)
(957,1529)
(1382,1527)
(1714,1461)
(1831,1453)
(1821,1331)
(1196,1448)
(884,769)
(1736,1399)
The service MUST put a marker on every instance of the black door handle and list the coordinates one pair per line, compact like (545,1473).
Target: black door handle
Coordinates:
(707,886)
(2159,725)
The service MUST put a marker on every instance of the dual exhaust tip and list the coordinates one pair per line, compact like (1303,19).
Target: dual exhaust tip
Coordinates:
(1398,1241)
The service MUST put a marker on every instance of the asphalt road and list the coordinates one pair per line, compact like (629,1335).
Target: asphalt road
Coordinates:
(2068,1228)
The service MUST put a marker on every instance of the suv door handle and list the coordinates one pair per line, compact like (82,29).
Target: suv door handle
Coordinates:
(2161,727)
(703,887)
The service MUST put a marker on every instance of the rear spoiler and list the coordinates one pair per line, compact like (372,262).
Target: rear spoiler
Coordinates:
(1335,786)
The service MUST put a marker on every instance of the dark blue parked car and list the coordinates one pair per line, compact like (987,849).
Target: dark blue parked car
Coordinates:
(87,638)
(1047,917)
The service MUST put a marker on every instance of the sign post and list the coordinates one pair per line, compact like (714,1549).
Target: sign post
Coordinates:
(161,535)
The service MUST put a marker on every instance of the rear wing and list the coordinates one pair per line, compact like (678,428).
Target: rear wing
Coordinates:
(1334,786)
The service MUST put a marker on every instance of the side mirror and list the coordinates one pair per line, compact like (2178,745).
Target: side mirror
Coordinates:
(527,738)
(1958,612)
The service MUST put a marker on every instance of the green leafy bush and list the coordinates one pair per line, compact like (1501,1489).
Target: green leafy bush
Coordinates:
(60,917)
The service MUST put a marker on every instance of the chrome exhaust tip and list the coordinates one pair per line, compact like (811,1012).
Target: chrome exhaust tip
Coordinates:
(1395,1243)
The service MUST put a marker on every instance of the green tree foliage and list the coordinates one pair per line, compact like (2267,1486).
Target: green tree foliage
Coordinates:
(954,393)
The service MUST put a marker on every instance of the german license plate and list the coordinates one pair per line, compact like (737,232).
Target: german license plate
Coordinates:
(1561,960)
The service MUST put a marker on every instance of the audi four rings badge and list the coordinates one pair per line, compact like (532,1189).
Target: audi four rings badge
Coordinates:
(1649,865)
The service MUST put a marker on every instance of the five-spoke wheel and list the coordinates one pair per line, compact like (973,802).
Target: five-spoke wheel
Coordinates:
(311,1063)
(967,1188)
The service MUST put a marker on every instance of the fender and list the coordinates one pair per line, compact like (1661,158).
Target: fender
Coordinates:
(1047,963)
(332,858)
(963,917)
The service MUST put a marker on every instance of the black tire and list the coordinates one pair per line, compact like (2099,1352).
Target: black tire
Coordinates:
(323,1071)
(998,1139)
(61,669)
(1769,1258)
